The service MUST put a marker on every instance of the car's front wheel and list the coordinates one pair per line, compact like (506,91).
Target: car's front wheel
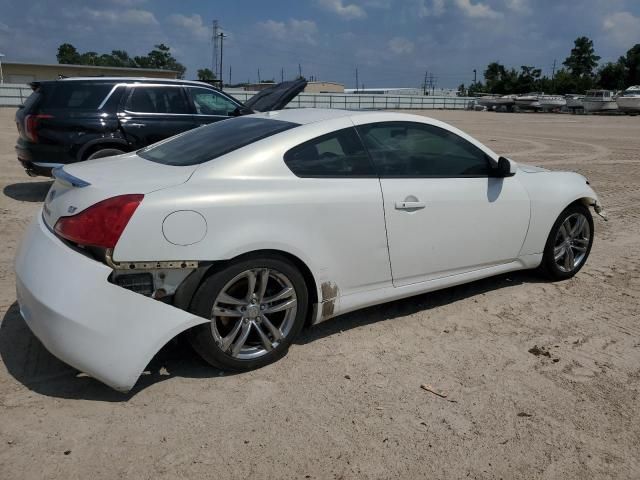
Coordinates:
(256,305)
(569,243)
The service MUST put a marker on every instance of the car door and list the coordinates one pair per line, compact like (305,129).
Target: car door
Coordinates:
(153,112)
(210,106)
(342,200)
(445,214)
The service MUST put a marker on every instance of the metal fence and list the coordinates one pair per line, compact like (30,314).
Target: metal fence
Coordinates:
(369,102)
(13,95)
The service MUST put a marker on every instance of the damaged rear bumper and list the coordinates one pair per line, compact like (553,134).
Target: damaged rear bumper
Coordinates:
(99,328)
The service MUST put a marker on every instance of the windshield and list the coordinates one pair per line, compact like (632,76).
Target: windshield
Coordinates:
(212,141)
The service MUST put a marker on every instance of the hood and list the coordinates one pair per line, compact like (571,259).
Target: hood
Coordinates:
(78,186)
(276,97)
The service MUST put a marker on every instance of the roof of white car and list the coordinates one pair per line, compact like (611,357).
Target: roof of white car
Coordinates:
(308,115)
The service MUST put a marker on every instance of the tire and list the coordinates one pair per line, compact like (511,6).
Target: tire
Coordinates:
(105,152)
(240,316)
(568,245)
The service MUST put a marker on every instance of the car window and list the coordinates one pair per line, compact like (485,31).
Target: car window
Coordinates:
(157,99)
(74,95)
(212,141)
(407,149)
(208,102)
(338,154)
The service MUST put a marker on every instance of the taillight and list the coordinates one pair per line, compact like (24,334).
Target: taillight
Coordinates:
(101,224)
(31,126)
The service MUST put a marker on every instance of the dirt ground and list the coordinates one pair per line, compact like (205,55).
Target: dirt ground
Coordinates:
(346,402)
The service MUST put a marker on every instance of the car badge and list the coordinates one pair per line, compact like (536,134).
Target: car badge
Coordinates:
(71,209)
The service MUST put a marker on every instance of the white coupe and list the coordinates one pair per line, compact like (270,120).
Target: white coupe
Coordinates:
(246,230)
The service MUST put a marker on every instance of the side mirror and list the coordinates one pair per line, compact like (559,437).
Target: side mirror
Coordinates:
(504,168)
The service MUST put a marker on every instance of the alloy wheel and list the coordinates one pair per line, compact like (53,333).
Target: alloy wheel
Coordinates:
(253,313)
(572,242)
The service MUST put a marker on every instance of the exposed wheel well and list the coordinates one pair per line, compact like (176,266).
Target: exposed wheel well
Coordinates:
(190,285)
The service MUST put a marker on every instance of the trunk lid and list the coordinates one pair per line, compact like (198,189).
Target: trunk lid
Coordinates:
(78,186)
(276,97)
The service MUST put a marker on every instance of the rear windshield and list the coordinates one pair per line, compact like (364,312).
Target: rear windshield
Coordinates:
(74,95)
(212,141)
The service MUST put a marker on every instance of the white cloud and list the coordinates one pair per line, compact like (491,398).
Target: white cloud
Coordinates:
(293,30)
(477,10)
(434,8)
(622,28)
(401,46)
(518,6)
(347,12)
(130,16)
(191,23)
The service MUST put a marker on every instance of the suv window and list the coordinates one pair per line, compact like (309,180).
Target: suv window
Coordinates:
(212,141)
(407,149)
(74,95)
(157,99)
(209,102)
(338,154)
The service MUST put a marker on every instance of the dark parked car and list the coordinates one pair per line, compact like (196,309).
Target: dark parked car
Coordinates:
(74,119)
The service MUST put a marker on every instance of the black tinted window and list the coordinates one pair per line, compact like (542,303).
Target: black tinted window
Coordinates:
(148,99)
(338,154)
(74,95)
(406,149)
(211,141)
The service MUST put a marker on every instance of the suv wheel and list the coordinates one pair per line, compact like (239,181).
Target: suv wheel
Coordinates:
(105,152)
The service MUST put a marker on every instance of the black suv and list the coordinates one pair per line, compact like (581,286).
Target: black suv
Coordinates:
(74,119)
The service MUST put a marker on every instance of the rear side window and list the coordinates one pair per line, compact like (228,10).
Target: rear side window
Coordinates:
(407,149)
(74,95)
(208,102)
(212,141)
(159,99)
(338,154)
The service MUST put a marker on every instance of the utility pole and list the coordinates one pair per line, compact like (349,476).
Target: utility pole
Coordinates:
(214,53)
(229,74)
(222,35)
(356,80)
(299,71)
(553,74)
(424,83)
(282,74)
(475,80)
(259,80)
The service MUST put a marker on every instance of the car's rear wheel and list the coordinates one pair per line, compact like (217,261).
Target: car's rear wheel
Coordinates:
(569,243)
(105,152)
(256,305)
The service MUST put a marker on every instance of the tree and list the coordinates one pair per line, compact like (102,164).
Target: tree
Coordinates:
(206,75)
(528,79)
(631,62)
(68,54)
(583,59)
(612,76)
(160,57)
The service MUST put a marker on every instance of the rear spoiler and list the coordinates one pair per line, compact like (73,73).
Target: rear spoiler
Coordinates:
(59,174)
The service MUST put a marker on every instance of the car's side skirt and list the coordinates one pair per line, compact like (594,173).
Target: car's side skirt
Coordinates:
(349,303)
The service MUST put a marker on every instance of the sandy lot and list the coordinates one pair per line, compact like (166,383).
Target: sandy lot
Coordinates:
(346,402)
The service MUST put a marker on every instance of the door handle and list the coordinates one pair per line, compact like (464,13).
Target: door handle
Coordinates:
(137,125)
(410,205)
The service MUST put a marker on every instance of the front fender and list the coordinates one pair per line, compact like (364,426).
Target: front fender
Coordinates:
(551,193)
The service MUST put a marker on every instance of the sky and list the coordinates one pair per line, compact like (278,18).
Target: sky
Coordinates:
(392,43)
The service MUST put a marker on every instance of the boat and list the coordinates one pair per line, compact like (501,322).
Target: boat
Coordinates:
(600,101)
(574,101)
(629,100)
(551,102)
(529,101)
